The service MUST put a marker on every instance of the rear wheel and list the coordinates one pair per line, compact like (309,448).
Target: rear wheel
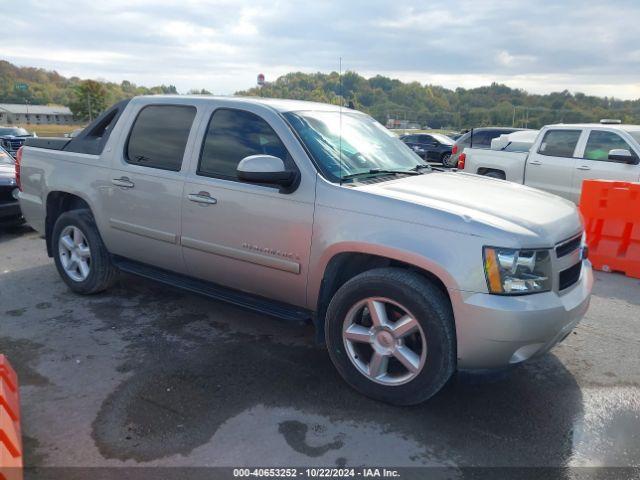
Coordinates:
(450,161)
(444,158)
(81,257)
(390,334)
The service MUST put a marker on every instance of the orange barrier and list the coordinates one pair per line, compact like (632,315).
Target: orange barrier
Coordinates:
(611,212)
(10,437)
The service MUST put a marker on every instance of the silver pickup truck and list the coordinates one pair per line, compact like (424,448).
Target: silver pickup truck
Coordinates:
(558,158)
(309,211)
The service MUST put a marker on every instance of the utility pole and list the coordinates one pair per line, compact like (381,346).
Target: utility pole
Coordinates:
(89,106)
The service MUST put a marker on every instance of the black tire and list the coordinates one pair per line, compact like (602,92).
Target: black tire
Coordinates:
(102,273)
(444,158)
(431,308)
(450,162)
(498,175)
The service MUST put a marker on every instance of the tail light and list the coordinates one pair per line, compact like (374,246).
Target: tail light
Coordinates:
(461,160)
(454,150)
(17,165)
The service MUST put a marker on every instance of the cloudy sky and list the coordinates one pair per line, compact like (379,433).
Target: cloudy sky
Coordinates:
(541,46)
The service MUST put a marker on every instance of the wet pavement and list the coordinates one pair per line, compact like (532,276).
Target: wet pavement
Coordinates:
(147,375)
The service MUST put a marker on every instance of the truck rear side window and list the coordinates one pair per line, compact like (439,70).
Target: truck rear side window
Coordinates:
(233,135)
(559,143)
(159,136)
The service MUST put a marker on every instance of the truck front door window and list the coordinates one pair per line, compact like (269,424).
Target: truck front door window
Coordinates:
(233,135)
(601,142)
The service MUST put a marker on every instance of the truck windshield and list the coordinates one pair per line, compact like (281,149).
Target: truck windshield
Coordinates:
(348,145)
(635,134)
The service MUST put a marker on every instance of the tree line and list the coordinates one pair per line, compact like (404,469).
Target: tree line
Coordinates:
(380,96)
(440,107)
(85,98)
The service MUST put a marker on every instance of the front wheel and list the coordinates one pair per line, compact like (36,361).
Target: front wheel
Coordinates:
(391,335)
(81,257)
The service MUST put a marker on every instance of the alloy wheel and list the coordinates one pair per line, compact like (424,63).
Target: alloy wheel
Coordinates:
(75,254)
(384,341)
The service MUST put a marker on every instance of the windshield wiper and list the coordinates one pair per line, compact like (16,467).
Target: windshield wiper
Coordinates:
(420,166)
(375,171)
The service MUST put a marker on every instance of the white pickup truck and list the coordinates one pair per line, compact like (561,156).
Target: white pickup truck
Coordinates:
(559,157)
(305,211)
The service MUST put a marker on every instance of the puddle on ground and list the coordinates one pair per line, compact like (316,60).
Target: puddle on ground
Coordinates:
(189,373)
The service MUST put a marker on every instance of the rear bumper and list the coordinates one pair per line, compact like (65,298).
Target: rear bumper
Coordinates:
(9,210)
(495,331)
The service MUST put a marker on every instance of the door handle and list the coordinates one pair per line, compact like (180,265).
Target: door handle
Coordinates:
(535,162)
(123,182)
(203,198)
(583,167)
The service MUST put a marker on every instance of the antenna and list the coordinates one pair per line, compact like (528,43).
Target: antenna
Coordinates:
(340,124)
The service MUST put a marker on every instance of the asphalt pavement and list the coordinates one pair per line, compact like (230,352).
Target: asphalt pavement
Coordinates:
(146,375)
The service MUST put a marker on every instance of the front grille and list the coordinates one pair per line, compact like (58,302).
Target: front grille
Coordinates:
(570,276)
(568,247)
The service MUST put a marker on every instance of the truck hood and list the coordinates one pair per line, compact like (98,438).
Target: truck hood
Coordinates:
(544,218)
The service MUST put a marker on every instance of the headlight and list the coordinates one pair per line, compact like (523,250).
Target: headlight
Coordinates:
(513,272)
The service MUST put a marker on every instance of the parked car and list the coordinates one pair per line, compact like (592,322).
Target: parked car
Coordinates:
(306,211)
(9,206)
(12,138)
(455,135)
(561,157)
(476,138)
(432,147)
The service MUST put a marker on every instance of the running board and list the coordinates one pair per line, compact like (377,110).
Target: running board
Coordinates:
(248,301)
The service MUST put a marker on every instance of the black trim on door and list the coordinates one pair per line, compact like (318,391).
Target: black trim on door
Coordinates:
(251,302)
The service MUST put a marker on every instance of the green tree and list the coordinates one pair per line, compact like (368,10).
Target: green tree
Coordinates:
(380,96)
(89,99)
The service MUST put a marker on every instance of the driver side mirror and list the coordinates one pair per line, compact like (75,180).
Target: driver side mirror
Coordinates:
(267,169)
(623,155)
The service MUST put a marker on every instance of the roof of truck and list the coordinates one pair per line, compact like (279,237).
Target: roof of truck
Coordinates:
(278,104)
(618,126)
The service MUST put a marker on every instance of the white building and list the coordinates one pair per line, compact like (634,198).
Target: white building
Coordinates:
(11,114)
